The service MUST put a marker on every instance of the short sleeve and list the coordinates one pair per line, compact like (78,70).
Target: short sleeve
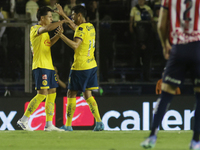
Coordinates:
(34,30)
(132,13)
(80,32)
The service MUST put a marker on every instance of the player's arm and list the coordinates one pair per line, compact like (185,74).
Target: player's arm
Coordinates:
(69,22)
(163,29)
(50,27)
(55,38)
(73,44)
(62,84)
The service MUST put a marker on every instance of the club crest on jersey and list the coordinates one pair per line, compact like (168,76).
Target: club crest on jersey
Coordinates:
(47,43)
(44,77)
(44,82)
(80,28)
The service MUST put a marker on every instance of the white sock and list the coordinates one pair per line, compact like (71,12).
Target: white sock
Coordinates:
(24,118)
(49,123)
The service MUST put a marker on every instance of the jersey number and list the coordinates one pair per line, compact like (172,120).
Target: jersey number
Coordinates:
(185,14)
(91,45)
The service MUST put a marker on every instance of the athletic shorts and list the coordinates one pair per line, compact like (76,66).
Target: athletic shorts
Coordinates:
(184,58)
(81,80)
(45,79)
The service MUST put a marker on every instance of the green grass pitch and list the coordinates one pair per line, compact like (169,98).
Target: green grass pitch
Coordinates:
(89,140)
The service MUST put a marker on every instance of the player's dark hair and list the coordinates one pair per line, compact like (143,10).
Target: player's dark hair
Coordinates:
(80,9)
(42,11)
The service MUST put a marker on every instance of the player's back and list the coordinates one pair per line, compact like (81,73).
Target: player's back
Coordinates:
(184,20)
(84,55)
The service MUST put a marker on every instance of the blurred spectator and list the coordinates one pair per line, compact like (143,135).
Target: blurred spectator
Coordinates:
(5,8)
(141,29)
(134,3)
(20,8)
(91,10)
(31,10)
(68,7)
(55,16)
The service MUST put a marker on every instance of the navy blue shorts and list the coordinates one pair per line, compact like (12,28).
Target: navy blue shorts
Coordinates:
(81,80)
(184,58)
(45,79)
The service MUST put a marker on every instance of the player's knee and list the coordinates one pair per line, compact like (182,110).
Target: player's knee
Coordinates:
(51,91)
(87,94)
(71,94)
(43,92)
(169,88)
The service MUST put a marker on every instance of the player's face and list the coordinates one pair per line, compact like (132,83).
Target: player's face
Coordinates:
(75,17)
(48,18)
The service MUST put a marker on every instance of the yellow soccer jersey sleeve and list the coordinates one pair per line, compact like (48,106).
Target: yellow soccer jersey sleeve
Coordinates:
(84,55)
(40,46)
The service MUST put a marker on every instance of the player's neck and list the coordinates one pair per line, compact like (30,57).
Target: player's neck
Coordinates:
(41,23)
(82,21)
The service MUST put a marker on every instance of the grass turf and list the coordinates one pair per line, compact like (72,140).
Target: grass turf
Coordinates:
(89,140)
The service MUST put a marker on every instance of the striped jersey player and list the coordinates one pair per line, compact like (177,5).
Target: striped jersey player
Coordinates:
(179,32)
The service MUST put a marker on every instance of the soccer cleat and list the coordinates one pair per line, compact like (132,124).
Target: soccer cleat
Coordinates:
(195,145)
(66,128)
(52,128)
(24,125)
(99,126)
(149,142)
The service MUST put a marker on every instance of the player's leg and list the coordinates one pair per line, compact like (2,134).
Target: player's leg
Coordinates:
(34,103)
(173,77)
(94,109)
(49,110)
(195,143)
(71,107)
(92,84)
(161,107)
(195,72)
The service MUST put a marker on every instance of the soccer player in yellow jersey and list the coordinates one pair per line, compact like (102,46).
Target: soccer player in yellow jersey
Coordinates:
(43,69)
(83,74)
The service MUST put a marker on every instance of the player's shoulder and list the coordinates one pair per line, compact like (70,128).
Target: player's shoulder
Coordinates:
(88,26)
(35,27)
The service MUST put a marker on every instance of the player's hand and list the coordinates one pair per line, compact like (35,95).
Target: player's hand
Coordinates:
(59,30)
(57,76)
(59,9)
(166,50)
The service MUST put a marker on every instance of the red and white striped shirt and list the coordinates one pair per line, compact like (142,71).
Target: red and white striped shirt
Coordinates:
(184,17)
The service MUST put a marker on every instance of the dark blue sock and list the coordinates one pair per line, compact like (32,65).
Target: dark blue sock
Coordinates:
(197,118)
(160,109)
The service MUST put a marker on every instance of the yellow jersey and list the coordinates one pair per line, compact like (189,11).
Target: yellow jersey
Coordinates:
(135,13)
(84,55)
(40,46)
